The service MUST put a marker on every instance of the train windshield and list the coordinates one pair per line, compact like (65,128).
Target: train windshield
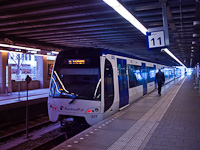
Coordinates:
(76,83)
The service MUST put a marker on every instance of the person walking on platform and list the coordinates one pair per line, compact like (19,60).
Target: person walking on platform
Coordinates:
(160,78)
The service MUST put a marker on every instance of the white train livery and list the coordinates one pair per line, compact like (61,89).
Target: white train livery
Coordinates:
(91,84)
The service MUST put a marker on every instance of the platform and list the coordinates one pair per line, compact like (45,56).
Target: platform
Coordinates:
(12,108)
(32,95)
(167,122)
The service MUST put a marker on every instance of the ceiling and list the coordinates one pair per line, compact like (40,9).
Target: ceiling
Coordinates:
(60,24)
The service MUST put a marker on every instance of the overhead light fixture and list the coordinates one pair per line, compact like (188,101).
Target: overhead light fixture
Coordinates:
(196,23)
(32,52)
(11,51)
(194,42)
(126,14)
(54,52)
(19,47)
(4,51)
(172,55)
(195,35)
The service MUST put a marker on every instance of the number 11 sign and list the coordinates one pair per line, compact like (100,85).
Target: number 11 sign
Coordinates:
(155,39)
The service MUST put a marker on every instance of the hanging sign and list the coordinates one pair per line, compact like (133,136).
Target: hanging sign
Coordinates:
(156,38)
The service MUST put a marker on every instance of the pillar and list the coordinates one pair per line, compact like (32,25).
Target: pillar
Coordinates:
(42,71)
(3,63)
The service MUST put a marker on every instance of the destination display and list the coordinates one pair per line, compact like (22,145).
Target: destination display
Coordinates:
(76,61)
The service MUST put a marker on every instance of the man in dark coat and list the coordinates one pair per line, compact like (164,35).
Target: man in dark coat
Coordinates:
(160,78)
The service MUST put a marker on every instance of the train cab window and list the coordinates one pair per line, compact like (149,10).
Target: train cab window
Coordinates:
(77,83)
(108,85)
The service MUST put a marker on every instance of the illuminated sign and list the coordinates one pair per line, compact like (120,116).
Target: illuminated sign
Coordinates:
(76,61)
(6,76)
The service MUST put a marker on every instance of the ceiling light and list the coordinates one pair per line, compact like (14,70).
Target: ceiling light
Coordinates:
(19,47)
(194,42)
(54,52)
(195,35)
(196,23)
(33,52)
(4,51)
(11,51)
(169,53)
(126,14)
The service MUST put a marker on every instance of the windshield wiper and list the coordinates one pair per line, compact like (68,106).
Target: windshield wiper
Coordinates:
(74,97)
(72,100)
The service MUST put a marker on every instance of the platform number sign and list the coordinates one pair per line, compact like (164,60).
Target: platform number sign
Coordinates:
(155,39)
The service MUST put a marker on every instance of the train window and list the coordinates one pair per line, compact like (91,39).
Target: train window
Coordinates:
(171,73)
(135,77)
(132,77)
(108,85)
(151,74)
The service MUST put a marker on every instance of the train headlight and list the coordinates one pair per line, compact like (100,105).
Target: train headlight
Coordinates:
(89,111)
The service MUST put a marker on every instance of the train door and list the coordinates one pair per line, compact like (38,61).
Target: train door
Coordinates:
(108,85)
(123,82)
(144,76)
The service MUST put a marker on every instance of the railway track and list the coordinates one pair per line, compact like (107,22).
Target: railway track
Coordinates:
(51,142)
(42,134)
(12,130)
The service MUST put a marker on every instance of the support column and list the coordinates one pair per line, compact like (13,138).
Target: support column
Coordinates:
(3,63)
(165,22)
(42,71)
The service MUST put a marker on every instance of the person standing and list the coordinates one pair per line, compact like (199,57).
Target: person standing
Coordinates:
(160,78)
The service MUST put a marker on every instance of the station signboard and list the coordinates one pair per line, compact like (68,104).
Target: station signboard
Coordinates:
(156,38)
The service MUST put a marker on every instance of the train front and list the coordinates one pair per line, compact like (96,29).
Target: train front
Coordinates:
(75,88)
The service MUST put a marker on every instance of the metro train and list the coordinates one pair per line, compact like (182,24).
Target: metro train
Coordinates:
(90,84)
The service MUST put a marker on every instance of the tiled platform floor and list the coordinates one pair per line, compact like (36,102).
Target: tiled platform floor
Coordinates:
(179,129)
